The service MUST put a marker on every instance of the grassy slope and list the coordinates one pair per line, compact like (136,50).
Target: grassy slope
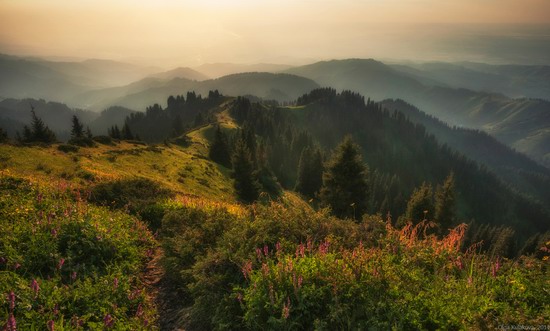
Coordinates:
(182,170)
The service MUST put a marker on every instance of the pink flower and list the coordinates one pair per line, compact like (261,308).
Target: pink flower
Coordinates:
(108,321)
(265,269)
(258,253)
(35,287)
(54,233)
(266,250)
(115,283)
(60,263)
(139,310)
(286,309)
(12,324)
(278,247)
(11,299)
(51,325)
(16,265)
(247,269)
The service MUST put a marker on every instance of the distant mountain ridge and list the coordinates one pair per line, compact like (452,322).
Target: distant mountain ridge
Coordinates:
(521,123)
(281,87)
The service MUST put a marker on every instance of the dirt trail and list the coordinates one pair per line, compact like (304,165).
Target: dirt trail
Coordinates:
(163,296)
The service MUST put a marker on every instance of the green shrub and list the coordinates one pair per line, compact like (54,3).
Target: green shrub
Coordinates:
(139,196)
(104,140)
(70,263)
(67,148)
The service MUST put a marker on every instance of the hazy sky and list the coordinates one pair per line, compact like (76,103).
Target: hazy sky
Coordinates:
(182,32)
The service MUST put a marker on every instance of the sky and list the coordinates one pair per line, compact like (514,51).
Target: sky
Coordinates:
(170,33)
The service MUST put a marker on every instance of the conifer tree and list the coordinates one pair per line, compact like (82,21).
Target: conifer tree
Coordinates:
(39,132)
(114,132)
(126,133)
(77,130)
(246,180)
(445,203)
(420,205)
(345,182)
(219,149)
(310,172)
(3,136)
(89,134)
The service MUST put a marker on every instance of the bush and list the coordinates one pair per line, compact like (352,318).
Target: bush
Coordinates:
(82,141)
(104,140)
(67,148)
(69,263)
(139,196)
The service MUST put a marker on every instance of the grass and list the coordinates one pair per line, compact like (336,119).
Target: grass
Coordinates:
(185,171)
(67,264)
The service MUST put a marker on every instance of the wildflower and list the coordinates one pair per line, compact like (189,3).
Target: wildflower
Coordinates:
(139,310)
(12,324)
(278,247)
(11,299)
(61,263)
(286,308)
(16,266)
(35,287)
(259,253)
(54,233)
(459,263)
(51,325)
(108,321)
(266,250)
(73,276)
(3,260)
(56,309)
(247,269)
(300,250)
(115,283)
(265,269)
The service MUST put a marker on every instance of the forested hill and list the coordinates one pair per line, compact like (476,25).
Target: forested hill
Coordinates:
(511,166)
(401,155)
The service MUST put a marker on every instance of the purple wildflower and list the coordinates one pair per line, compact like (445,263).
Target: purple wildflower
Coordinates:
(35,287)
(60,263)
(12,324)
(51,325)
(108,321)
(11,299)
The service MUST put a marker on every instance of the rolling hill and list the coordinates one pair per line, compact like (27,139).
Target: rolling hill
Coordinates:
(138,95)
(520,123)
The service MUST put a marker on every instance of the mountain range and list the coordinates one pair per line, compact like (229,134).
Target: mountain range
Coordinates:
(509,102)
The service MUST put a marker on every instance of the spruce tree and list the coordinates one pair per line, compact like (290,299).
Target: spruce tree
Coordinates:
(114,132)
(77,130)
(219,149)
(3,136)
(310,172)
(445,203)
(246,180)
(126,133)
(420,205)
(89,134)
(39,132)
(345,182)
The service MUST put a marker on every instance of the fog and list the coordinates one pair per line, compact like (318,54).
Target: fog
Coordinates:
(169,33)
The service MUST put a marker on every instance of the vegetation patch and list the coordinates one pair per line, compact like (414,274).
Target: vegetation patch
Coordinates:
(65,264)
